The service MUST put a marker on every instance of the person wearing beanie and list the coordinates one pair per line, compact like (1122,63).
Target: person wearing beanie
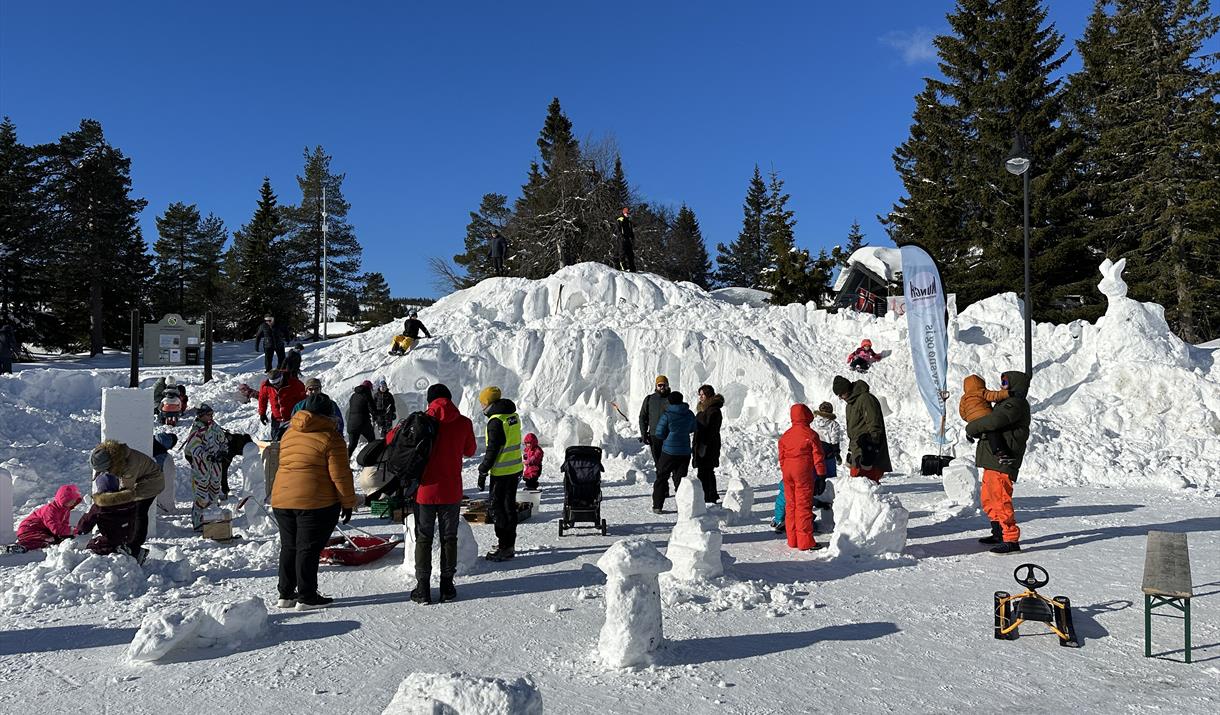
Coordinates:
(292,361)
(385,412)
(205,449)
(272,338)
(654,406)
(140,482)
(279,392)
(503,463)
(360,416)
(674,429)
(706,455)
(115,522)
(830,434)
(868,450)
(863,357)
(313,387)
(50,523)
(439,497)
(411,328)
(313,488)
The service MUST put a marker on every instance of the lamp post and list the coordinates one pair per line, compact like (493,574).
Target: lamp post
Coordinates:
(1018,163)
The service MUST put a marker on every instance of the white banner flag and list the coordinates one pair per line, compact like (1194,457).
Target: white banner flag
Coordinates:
(925,302)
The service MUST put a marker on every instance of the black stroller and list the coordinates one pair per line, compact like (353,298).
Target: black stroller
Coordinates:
(582,488)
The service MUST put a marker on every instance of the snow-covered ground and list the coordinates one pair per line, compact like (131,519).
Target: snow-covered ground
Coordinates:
(1126,419)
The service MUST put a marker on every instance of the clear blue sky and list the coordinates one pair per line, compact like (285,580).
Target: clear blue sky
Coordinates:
(427,106)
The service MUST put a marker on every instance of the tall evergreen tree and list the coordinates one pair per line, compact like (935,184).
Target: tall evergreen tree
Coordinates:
(262,285)
(376,305)
(24,250)
(178,229)
(821,275)
(686,250)
(855,241)
(742,263)
(305,245)
(208,285)
(785,273)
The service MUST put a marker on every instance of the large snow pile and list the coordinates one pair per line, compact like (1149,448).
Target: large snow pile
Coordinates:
(225,624)
(71,574)
(868,521)
(462,694)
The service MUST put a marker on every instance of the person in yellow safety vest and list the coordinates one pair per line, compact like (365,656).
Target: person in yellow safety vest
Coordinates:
(503,462)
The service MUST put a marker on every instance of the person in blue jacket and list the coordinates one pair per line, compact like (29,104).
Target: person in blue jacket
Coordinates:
(313,386)
(674,429)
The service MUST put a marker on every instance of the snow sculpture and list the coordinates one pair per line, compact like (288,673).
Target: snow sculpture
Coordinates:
(694,543)
(961,483)
(739,501)
(868,522)
(467,554)
(422,693)
(632,630)
(7,534)
(1112,284)
(1132,331)
(225,623)
(125,418)
(165,500)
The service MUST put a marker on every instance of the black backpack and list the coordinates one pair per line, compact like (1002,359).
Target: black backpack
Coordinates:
(408,453)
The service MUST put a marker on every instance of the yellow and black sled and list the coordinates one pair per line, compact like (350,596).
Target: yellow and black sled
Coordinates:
(1012,611)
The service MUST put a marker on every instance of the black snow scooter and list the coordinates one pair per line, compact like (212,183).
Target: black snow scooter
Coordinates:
(1012,611)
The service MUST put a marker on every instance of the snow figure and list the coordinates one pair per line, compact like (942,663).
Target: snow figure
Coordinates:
(632,630)
(467,553)
(462,693)
(694,543)
(961,483)
(7,535)
(1132,331)
(868,522)
(213,624)
(1112,284)
(739,501)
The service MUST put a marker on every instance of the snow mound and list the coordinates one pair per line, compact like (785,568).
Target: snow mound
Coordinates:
(462,694)
(723,594)
(743,296)
(227,624)
(868,521)
(960,480)
(739,502)
(70,574)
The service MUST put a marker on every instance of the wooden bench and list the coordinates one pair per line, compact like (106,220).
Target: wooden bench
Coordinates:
(1166,581)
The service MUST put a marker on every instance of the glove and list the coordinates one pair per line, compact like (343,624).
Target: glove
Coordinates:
(264,419)
(482,481)
(346,514)
(643,440)
(969,438)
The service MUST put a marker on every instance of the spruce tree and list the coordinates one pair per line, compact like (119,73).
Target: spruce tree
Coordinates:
(493,215)
(821,276)
(262,285)
(686,250)
(855,241)
(208,286)
(24,251)
(376,305)
(785,271)
(742,263)
(178,229)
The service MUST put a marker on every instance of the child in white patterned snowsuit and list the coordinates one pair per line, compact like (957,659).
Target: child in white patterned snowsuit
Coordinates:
(204,449)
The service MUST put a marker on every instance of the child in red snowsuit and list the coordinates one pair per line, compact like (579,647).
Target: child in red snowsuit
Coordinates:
(50,523)
(533,461)
(800,460)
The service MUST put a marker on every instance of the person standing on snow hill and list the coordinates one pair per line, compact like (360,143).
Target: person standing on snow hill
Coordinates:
(292,363)
(1010,421)
(140,477)
(800,459)
(503,462)
(439,498)
(650,415)
(205,448)
(868,450)
(50,523)
(674,430)
(272,339)
(827,427)
(280,392)
(863,357)
(360,416)
(533,461)
(498,252)
(385,412)
(707,441)
(626,241)
(313,489)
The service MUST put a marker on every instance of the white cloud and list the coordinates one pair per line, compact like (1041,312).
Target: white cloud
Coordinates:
(915,45)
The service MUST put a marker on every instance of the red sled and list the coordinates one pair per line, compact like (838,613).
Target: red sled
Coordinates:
(357,550)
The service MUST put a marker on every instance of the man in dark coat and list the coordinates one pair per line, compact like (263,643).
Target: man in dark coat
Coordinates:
(292,361)
(868,451)
(626,241)
(504,464)
(1010,420)
(360,416)
(8,349)
(706,455)
(499,251)
(385,412)
(270,341)
(650,414)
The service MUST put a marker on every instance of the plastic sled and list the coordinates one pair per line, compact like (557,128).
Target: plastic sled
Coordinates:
(357,550)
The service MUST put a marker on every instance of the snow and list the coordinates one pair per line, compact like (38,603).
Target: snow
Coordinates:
(961,481)
(459,694)
(8,532)
(868,520)
(751,297)
(885,262)
(633,628)
(695,542)
(467,552)
(208,626)
(739,502)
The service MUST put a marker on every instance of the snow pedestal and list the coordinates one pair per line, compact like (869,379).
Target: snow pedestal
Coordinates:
(633,629)
(459,693)
(127,418)
(213,624)
(961,483)
(868,522)
(256,519)
(7,534)
(739,501)
(467,552)
(165,500)
(694,544)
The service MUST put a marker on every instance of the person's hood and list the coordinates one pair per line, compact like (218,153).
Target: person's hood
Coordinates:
(118,456)
(973,384)
(443,410)
(716,402)
(362,390)
(531,440)
(67,495)
(680,408)
(801,414)
(1018,383)
(502,406)
(306,421)
(858,388)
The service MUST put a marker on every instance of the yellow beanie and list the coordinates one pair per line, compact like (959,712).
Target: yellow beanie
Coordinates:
(662,379)
(489,395)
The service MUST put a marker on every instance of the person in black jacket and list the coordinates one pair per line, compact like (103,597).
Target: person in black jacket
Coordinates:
(626,241)
(385,412)
(650,414)
(707,441)
(503,463)
(412,325)
(271,338)
(292,362)
(499,251)
(360,416)
(8,349)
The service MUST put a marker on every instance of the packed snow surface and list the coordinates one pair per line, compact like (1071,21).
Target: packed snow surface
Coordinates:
(462,694)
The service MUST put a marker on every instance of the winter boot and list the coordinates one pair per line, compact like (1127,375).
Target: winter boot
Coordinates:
(309,603)
(421,593)
(1007,547)
(997,534)
(448,592)
(500,554)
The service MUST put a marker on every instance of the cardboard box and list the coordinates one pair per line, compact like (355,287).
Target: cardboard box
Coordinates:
(218,530)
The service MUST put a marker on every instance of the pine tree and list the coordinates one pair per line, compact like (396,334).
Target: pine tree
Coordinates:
(1145,99)
(178,228)
(785,272)
(556,142)
(24,250)
(376,305)
(821,275)
(742,263)
(855,241)
(208,285)
(262,286)
(493,215)
(686,250)
(305,244)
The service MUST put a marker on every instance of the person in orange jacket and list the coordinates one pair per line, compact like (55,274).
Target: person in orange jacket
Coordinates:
(976,403)
(800,460)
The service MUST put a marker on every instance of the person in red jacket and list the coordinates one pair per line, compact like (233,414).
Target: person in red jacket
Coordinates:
(281,392)
(440,494)
(800,460)
(533,461)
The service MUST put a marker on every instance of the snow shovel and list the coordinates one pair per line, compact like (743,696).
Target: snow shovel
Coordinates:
(934,464)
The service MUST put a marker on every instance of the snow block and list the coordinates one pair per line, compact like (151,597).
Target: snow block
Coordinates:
(214,624)
(7,533)
(739,501)
(255,519)
(467,556)
(127,418)
(961,483)
(690,498)
(462,694)
(165,500)
(633,627)
(694,544)
(868,522)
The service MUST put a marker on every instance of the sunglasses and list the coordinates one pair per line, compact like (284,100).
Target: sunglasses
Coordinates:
(662,386)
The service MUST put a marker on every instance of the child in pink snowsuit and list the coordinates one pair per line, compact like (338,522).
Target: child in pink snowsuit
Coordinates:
(533,461)
(50,523)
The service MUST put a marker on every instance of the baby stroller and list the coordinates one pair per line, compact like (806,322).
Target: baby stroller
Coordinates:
(582,488)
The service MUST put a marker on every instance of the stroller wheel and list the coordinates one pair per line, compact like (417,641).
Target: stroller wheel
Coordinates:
(604,529)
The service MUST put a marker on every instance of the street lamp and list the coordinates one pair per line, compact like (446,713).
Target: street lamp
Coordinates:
(1018,163)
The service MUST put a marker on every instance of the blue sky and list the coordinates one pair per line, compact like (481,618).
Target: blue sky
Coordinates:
(427,106)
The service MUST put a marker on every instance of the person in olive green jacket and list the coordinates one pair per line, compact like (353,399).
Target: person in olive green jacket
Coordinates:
(1010,420)
(868,451)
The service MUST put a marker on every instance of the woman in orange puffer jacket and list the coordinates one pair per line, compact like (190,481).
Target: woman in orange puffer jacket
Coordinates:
(800,460)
